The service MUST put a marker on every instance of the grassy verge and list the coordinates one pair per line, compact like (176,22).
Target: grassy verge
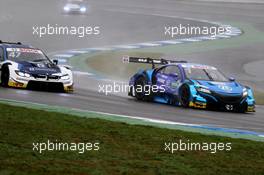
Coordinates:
(116,69)
(259,96)
(124,149)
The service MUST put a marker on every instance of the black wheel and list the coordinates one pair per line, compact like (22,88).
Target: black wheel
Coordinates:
(242,109)
(185,96)
(5,76)
(142,92)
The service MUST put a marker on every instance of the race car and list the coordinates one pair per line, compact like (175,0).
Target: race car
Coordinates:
(23,66)
(75,7)
(189,85)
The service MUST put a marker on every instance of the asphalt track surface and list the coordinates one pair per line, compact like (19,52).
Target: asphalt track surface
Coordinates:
(18,17)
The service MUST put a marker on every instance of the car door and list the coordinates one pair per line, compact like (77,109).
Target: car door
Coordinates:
(169,77)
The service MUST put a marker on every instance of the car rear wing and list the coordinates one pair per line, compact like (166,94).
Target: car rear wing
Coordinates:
(147,60)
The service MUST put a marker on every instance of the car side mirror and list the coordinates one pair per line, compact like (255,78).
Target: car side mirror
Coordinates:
(232,79)
(55,61)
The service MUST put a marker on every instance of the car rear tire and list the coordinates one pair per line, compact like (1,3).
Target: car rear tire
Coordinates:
(185,96)
(142,82)
(5,76)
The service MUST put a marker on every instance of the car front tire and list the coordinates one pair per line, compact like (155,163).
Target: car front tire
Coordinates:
(5,76)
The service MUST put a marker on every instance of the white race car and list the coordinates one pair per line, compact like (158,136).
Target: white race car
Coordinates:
(23,66)
(75,6)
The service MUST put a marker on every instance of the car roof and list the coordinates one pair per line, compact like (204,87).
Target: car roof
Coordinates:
(195,65)
(15,45)
(75,1)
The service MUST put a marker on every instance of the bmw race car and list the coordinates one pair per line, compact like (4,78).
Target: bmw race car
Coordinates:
(75,6)
(22,66)
(189,85)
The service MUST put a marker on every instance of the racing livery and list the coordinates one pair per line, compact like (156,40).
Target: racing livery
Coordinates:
(189,85)
(23,66)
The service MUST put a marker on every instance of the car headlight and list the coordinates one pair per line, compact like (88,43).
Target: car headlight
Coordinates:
(245,92)
(22,74)
(83,9)
(203,90)
(66,9)
(65,77)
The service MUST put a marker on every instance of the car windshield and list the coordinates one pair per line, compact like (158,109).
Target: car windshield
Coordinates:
(26,54)
(204,73)
(75,2)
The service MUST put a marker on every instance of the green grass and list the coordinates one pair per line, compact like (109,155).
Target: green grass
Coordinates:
(259,96)
(116,68)
(124,149)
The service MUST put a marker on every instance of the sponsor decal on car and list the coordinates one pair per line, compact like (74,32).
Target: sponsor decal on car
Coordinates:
(161,80)
(225,88)
(198,66)
(24,50)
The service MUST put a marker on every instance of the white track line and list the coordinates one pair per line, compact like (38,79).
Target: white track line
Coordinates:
(82,73)
(64,55)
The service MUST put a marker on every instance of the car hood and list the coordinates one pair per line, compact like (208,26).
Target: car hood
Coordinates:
(40,68)
(221,87)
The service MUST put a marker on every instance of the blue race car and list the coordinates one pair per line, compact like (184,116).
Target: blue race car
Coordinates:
(189,85)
